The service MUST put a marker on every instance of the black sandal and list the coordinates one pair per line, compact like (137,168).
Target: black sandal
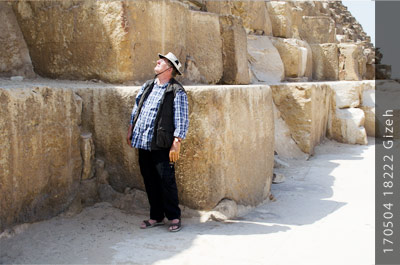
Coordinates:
(178,226)
(150,225)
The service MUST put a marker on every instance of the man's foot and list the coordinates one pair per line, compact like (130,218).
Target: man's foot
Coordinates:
(150,223)
(175,225)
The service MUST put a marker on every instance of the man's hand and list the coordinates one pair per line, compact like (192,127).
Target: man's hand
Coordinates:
(129,136)
(175,149)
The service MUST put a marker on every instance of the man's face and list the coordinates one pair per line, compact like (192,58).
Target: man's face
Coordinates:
(161,65)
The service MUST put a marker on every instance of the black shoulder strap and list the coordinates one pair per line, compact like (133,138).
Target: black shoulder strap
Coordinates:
(147,90)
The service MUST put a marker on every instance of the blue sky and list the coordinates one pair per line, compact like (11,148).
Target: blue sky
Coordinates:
(364,12)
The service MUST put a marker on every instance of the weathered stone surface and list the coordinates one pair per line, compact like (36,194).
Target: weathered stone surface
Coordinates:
(253,13)
(285,146)
(225,210)
(100,173)
(346,94)
(310,8)
(87,152)
(14,54)
(368,106)
(347,126)
(351,103)
(264,59)
(351,62)
(191,74)
(234,51)
(204,44)
(40,151)
(318,29)
(198,5)
(106,114)
(281,18)
(78,39)
(296,56)
(117,41)
(278,178)
(214,163)
(152,27)
(325,59)
(88,192)
(370,72)
(304,107)
(341,38)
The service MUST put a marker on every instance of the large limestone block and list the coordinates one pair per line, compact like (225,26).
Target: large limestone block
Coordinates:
(347,126)
(265,62)
(253,13)
(77,39)
(318,29)
(14,54)
(368,106)
(106,114)
(352,62)
(296,56)
(285,146)
(281,18)
(115,41)
(325,59)
(215,162)
(204,44)
(310,8)
(153,27)
(346,94)
(40,160)
(234,39)
(304,107)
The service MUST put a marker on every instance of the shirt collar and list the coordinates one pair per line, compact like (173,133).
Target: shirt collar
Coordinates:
(161,86)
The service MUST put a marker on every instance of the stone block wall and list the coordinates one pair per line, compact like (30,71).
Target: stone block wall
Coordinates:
(355,102)
(307,112)
(39,151)
(118,41)
(213,163)
(66,141)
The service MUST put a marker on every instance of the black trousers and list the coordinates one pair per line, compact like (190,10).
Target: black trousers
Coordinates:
(159,180)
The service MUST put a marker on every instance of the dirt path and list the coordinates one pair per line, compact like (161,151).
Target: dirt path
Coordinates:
(323,214)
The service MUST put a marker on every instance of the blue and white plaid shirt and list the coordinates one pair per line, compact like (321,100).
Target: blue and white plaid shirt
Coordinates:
(143,132)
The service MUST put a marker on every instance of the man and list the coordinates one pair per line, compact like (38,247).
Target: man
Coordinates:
(159,123)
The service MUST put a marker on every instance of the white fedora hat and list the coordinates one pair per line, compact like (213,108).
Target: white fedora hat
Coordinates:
(172,58)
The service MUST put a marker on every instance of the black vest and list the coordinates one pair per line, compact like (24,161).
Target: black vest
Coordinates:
(164,127)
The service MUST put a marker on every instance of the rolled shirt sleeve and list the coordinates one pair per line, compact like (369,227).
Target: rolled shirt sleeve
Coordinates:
(181,114)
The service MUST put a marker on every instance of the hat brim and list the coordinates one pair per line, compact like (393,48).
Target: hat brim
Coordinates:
(164,57)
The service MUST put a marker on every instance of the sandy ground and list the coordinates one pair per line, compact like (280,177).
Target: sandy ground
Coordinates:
(323,214)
